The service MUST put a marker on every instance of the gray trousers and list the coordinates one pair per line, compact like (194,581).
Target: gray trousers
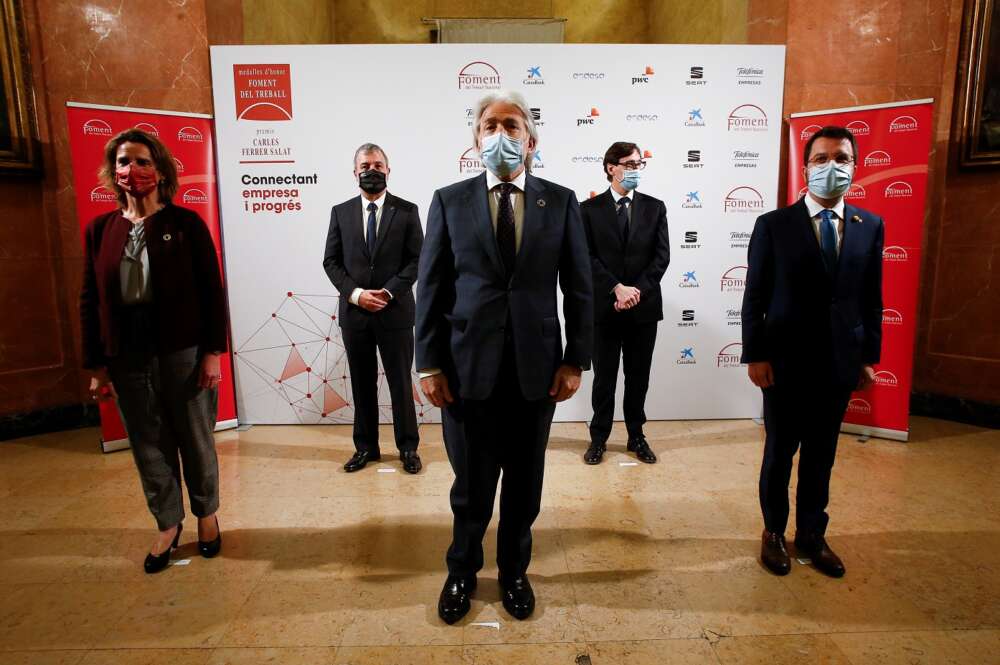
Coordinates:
(167,415)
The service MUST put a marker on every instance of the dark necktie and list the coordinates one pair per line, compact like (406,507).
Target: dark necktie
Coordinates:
(372,231)
(623,224)
(506,238)
(828,238)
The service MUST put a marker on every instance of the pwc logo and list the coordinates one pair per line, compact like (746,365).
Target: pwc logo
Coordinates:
(101,195)
(859,128)
(886,379)
(878,158)
(899,190)
(194,195)
(858,406)
(96,127)
(478,75)
(469,162)
(743,200)
(808,131)
(891,317)
(734,280)
(149,128)
(647,154)
(188,134)
(644,77)
(856,191)
(729,356)
(903,124)
(263,92)
(895,254)
(747,118)
(590,118)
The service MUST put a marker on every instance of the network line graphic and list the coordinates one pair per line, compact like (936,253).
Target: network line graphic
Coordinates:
(294,363)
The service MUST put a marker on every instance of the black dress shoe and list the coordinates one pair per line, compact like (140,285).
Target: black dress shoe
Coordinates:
(518,598)
(641,449)
(773,553)
(210,548)
(453,604)
(411,461)
(595,453)
(154,563)
(360,460)
(815,547)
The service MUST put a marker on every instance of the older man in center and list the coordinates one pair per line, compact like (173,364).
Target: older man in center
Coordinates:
(489,345)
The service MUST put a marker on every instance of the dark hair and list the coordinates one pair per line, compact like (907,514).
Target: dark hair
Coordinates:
(830,132)
(162,159)
(618,150)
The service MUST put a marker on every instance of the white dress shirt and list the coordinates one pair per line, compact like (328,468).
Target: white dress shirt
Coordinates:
(379,204)
(815,210)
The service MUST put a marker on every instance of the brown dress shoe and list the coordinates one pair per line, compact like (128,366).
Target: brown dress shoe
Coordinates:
(826,561)
(773,553)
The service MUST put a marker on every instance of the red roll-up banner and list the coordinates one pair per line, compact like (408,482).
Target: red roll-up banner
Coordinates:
(890,180)
(190,138)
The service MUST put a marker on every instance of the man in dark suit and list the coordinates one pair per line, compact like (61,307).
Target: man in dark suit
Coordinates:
(812,329)
(629,252)
(372,249)
(489,348)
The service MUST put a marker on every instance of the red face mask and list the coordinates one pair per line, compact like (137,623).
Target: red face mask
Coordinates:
(138,181)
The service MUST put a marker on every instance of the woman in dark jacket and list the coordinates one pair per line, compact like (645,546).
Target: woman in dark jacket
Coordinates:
(154,323)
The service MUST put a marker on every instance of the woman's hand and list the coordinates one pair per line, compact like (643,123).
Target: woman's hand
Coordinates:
(211,371)
(101,388)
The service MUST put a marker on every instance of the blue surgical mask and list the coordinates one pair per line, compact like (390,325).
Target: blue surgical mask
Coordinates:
(831,180)
(501,154)
(630,180)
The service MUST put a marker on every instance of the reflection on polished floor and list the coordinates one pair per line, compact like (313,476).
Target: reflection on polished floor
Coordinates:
(633,564)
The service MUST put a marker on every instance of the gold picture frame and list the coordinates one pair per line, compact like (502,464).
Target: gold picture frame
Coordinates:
(19,148)
(979,86)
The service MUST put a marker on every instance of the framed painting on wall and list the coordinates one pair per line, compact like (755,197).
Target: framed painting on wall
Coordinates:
(979,86)
(19,149)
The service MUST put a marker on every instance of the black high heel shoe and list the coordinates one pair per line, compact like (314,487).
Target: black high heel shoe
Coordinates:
(154,563)
(211,548)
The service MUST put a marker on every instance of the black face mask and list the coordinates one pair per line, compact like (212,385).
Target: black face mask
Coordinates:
(372,181)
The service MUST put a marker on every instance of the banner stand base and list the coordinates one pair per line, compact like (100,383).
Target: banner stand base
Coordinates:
(112,446)
(226,424)
(878,432)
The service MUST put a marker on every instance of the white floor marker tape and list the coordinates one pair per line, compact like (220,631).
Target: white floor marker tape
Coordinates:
(387,471)
(487,624)
(628,464)
(180,562)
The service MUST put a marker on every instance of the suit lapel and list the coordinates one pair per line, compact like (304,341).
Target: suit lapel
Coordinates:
(117,238)
(356,231)
(534,217)
(609,212)
(476,201)
(852,235)
(388,212)
(808,232)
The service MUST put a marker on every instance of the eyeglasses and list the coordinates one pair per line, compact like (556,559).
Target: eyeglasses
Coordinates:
(633,166)
(820,160)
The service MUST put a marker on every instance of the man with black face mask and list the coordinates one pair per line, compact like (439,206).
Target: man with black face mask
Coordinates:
(372,249)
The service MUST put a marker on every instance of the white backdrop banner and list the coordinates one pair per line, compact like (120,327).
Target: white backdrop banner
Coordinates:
(289,118)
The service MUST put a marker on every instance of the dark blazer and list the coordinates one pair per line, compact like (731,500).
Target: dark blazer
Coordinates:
(189,305)
(393,267)
(641,263)
(465,301)
(813,324)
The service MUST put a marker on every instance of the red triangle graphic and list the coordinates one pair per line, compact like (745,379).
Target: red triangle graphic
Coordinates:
(331,400)
(294,365)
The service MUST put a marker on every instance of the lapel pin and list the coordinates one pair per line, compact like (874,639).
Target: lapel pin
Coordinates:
(541,203)
(167,236)
(856,219)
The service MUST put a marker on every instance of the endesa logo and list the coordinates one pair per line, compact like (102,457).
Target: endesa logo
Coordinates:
(886,378)
(878,158)
(697,76)
(729,356)
(149,128)
(859,406)
(588,76)
(644,77)
(263,92)
(859,128)
(747,118)
(642,117)
(96,127)
(478,75)
(895,254)
(194,195)
(743,200)
(891,317)
(179,165)
(856,191)
(903,124)
(590,118)
(808,131)
(734,280)
(689,281)
(190,134)
(899,190)
(101,195)
(587,159)
(469,162)
(749,75)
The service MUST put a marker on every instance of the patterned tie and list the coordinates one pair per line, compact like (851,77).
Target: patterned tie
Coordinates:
(828,238)
(623,224)
(372,231)
(506,237)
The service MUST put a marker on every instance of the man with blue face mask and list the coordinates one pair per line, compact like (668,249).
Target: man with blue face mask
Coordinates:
(489,344)
(812,329)
(629,252)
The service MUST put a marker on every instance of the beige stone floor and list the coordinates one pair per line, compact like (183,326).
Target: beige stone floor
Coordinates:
(633,564)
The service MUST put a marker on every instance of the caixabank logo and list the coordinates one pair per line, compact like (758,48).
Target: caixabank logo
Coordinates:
(899,190)
(149,128)
(692,200)
(687,356)
(878,158)
(895,254)
(590,119)
(859,407)
(734,280)
(188,134)
(694,119)
(729,356)
(747,118)
(808,131)
(689,280)
(859,128)
(101,195)
(743,200)
(749,75)
(886,379)
(470,162)
(194,195)
(891,317)
(478,75)
(644,77)
(903,124)
(96,127)
(534,76)
(263,92)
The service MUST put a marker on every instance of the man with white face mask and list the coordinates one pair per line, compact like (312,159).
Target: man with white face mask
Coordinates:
(629,252)
(812,329)
(489,347)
